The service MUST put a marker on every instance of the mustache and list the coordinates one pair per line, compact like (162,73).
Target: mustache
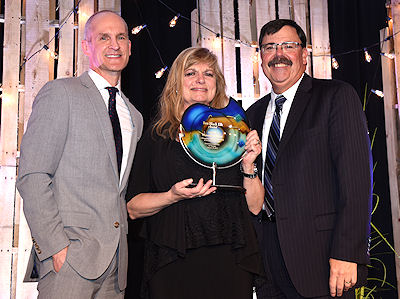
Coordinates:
(277,60)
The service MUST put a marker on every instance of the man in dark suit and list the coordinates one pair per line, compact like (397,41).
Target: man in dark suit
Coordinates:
(316,170)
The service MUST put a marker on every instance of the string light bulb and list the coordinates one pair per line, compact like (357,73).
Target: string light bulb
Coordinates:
(255,58)
(368,57)
(137,29)
(254,45)
(388,55)
(216,42)
(52,53)
(335,63)
(160,73)
(377,92)
(172,23)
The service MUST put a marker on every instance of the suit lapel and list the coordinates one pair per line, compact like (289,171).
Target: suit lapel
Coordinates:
(133,141)
(100,109)
(300,102)
(260,115)
(258,123)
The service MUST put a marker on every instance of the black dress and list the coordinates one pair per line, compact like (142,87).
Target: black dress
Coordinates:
(197,248)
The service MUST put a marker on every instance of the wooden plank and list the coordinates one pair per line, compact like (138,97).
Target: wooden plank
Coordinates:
(7,194)
(52,32)
(24,290)
(194,27)
(246,54)
(300,12)
(9,111)
(389,78)
(210,17)
(22,78)
(38,71)
(66,40)
(114,5)
(86,9)
(228,21)
(23,237)
(8,145)
(254,43)
(265,12)
(37,34)
(5,262)
(284,9)
(320,39)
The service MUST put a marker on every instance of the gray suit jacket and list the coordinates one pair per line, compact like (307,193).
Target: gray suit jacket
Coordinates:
(68,178)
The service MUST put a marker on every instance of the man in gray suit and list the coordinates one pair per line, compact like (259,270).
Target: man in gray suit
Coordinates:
(76,156)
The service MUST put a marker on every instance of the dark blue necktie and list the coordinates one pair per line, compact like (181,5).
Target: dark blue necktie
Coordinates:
(112,112)
(272,151)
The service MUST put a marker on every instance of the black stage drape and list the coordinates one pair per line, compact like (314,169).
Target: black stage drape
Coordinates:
(143,89)
(353,25)
(139,81)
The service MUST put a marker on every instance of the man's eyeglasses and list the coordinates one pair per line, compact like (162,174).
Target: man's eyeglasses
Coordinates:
(285,46)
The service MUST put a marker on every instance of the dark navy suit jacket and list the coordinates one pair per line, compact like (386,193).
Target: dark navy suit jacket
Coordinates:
(322,182)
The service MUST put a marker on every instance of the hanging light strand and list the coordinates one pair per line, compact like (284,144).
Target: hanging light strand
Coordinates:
(74,10)
(153,43)
(172,23)
(367,56)
(139,28)
(160,72)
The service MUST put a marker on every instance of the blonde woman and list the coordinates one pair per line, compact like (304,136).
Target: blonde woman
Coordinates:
(199,241)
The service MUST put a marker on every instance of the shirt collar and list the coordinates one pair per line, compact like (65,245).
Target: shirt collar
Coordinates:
(290,93)
(100,82)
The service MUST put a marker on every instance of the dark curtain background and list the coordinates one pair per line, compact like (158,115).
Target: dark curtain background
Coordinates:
(141,86)
(353,25)
(139,81)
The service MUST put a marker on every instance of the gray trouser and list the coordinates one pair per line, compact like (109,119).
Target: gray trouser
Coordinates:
(68,284)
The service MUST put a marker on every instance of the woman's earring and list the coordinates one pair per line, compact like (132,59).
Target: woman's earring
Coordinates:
(176,91)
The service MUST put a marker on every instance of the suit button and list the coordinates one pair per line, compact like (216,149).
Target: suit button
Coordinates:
(116,224)
(39,251)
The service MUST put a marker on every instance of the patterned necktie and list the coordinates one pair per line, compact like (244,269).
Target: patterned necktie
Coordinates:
(272,151)
(112,112)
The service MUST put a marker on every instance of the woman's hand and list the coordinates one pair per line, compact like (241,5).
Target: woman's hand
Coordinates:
(253,149)
(183,189)
(147,204)
(254,188)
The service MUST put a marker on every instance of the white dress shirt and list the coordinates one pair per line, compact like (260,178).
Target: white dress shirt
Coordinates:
(289,95)
(123,115)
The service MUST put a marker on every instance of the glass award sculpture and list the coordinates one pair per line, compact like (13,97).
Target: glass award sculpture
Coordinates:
(215,138)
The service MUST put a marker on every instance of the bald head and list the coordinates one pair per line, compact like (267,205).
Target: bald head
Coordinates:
(95,16)
(107,45)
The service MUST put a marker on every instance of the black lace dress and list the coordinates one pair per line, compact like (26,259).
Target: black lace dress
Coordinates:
(197,248)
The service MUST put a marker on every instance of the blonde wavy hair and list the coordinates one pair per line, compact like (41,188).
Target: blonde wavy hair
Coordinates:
(171,103)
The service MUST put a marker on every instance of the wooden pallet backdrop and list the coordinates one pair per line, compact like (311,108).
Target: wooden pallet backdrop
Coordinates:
(246,83)
(24,34)
(31,24)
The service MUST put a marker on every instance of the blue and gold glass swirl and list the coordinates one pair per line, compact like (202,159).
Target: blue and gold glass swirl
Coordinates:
(211,135)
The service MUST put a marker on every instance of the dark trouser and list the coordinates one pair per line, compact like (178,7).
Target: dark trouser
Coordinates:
(279,284)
